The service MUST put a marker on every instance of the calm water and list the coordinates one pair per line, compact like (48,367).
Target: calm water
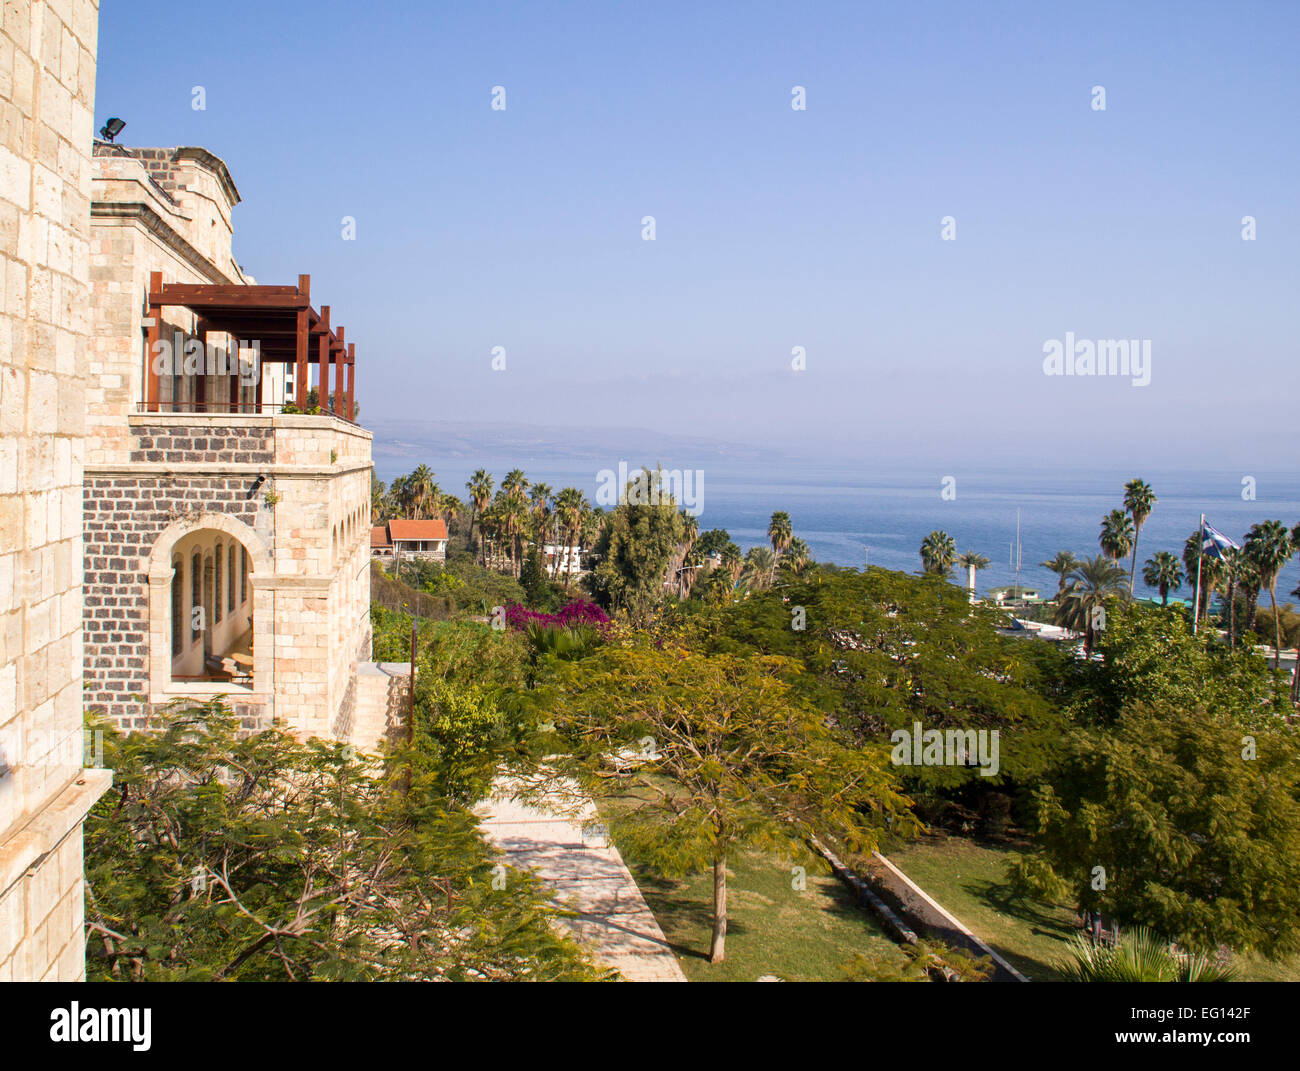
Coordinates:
(846,514)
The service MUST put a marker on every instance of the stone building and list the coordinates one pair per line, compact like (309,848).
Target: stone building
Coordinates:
(47,86)
(226,525)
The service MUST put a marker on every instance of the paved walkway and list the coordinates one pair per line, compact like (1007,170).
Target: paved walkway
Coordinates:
(575,858)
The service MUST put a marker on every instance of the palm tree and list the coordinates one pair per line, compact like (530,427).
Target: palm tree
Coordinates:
(760,562)
(423,491)
(1116,537)
(1139,956)
(1232,569)
(685,569)
(1268,548)
(780,532)
(570,505)
(1164,573)
(938,552)
(797,557)
(732,562)
(514,482)
(1295,677)
(1210,571)
(1061,565)
(1092,582)
(1139,500)
(541,498)
(479,487)
(378,500)
(514,518)
(970,561)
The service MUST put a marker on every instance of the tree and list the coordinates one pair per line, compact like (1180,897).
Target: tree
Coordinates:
(636,547)
(571,506)
(1139,956)
(797,557)
(938,552)
(479,487)
(1116,537)
(1093,582)
(760,562)
(1139,500)
(424,492)
(1212,574)
(882,651)
(1163,573)
(224,855)
(971,562)
(1062,565)
(1268,548)
(780,532)
(1171,818)
(726,755)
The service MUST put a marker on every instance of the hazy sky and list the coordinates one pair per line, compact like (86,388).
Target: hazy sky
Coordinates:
(775,228)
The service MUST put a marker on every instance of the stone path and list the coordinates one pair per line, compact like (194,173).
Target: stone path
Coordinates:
(587,872)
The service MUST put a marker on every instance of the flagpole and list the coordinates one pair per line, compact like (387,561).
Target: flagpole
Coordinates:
(1200,550)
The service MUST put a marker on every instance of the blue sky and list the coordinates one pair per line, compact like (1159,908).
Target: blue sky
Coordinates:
(775,228)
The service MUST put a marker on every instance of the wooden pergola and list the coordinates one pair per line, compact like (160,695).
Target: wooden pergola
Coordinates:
(279,319)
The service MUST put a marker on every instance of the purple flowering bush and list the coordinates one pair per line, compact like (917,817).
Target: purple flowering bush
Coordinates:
(577,614)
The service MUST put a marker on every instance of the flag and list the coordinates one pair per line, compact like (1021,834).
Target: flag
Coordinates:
(1214,542)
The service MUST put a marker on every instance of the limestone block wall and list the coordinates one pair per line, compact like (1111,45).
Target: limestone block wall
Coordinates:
(170,214)
(383,693)
(47,84)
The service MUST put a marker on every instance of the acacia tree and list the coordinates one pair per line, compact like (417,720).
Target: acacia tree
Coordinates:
(1176,819)
(726,755)
(228,856)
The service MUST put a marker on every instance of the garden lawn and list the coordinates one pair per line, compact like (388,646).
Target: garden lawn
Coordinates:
(772,928)
(969,879)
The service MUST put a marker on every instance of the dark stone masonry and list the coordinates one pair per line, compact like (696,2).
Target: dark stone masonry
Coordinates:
(181,446)
(124,516)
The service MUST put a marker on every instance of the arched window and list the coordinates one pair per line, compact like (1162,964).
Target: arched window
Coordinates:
(178,607)
(196,597)
(216,588)
(243,579)
(230,592)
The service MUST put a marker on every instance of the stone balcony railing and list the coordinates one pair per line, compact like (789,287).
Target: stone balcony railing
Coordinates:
(179,440)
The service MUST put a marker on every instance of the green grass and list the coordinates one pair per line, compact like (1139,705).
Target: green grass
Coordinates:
(772,929)
(968,878)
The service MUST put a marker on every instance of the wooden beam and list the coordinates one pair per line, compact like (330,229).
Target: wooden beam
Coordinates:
(150,347)
(338,374)
(323,359)
(349,408)
(300,360)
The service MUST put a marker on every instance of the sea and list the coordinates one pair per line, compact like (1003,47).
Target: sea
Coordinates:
(851,514)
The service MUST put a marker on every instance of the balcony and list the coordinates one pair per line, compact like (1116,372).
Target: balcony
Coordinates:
(263,327)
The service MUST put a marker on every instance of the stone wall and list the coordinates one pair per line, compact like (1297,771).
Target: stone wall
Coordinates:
(124,517)
(47,85)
